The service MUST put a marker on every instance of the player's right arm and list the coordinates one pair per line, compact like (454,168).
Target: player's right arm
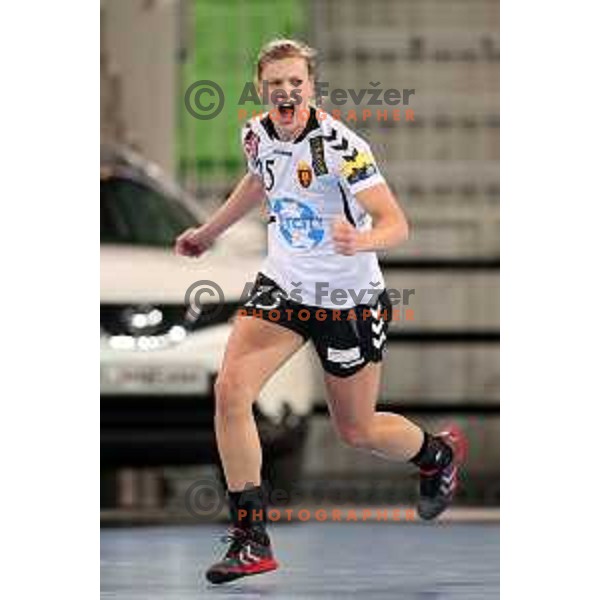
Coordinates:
(248,193)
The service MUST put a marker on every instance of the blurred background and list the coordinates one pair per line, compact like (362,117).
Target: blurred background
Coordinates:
(163,169)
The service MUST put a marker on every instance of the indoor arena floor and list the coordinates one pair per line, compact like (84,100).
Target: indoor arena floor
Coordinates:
(318,560)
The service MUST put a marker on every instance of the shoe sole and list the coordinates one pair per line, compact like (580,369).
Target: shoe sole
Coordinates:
(218,577)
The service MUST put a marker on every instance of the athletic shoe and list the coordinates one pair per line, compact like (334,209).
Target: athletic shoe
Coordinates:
(249,553)
(437,486)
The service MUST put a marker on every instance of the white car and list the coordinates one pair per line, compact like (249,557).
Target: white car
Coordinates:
(160,351)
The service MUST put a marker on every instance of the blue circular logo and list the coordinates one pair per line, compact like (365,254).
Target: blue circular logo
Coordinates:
(299,224)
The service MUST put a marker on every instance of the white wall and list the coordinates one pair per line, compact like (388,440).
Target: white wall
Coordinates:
(138,76)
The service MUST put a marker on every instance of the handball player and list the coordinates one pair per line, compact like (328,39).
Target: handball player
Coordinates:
(329,212)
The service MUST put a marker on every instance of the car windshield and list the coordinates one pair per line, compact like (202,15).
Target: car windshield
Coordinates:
(132,213)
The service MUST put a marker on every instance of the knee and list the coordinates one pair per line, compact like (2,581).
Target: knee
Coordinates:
(356,436)
(231,397)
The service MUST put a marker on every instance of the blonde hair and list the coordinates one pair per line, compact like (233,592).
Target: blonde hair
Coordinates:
(281,48)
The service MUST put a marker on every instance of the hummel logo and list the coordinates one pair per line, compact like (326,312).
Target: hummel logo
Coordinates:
(343,145)
(350,157)
(448,482)
(375,312)
(246,556)
(378,342)
(377,327)
(331,137)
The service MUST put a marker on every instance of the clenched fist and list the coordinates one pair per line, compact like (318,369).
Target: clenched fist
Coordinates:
(193,242)
(345,237)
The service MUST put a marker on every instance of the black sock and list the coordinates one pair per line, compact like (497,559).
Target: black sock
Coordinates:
(248,509)
(434,453)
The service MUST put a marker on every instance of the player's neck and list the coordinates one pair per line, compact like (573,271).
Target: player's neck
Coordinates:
(286,135)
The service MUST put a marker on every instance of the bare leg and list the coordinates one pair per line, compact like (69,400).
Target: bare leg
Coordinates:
(256,349)
(352,406)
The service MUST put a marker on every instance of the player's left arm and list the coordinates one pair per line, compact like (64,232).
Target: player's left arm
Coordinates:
(390,226)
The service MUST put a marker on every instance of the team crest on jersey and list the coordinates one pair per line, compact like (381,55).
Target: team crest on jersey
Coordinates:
(304,174)
(300,225)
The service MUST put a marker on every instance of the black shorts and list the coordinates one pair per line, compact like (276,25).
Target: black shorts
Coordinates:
(345,339)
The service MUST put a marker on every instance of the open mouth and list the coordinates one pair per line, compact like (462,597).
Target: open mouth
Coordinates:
(286,112)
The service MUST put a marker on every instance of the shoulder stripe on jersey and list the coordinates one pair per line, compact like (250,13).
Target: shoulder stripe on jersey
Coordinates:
(352,156)
(331,137)
(342,145)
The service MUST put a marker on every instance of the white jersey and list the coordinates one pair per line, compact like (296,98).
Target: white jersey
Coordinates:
(310,182)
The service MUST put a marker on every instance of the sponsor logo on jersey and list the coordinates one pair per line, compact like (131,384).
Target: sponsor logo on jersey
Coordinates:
(304,174)
(299,224)
(317,152)
(362,166)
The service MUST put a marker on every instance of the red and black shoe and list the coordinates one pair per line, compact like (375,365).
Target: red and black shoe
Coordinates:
(249,553)
(437,485)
